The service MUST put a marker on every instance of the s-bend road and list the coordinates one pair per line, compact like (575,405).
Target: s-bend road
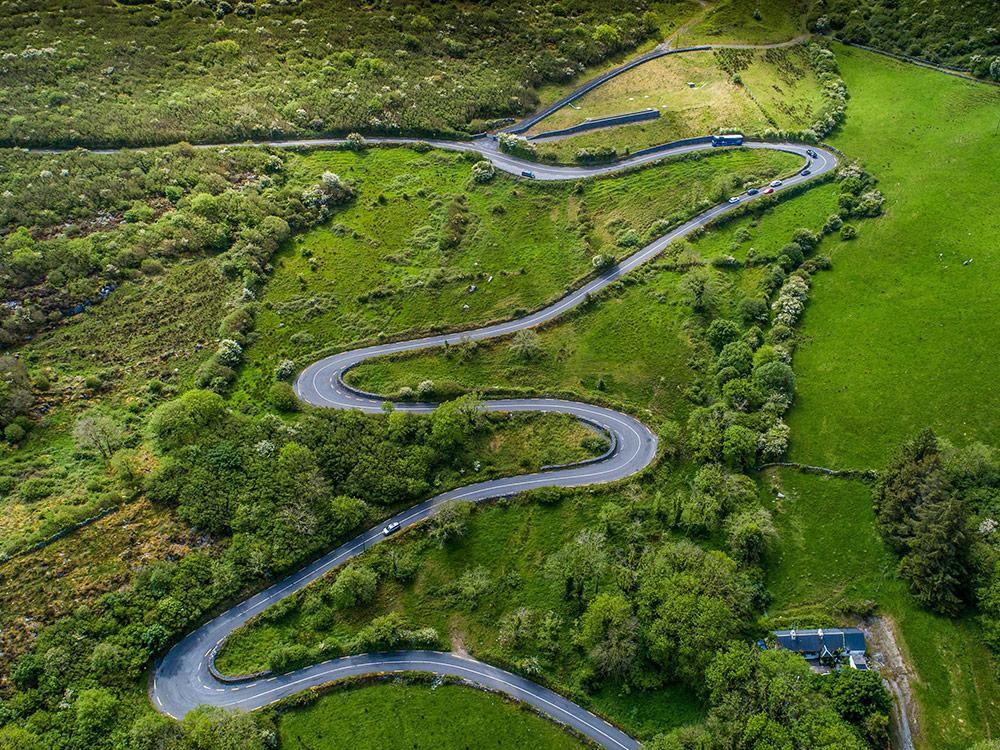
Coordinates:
(186,676)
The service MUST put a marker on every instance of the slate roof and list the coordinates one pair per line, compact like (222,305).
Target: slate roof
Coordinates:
(822,641)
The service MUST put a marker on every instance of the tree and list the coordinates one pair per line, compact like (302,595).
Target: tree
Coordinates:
(750,534)
(108,662)
(739,446)
(737,355)
(754,311)
(936,563)
(13,737)
(355,584)
(690,602)
(99,431)
(610,631)
(914,473)
(775,378)
(185,419)
(697,289)
(579,565)
(15,390)
(722,332)
(526,345)
(355,142)
(857,694)
(229,353)
(282,397)
(705,506)
(451,522)
(96,710)
(769,700)
(483,171)
(453,422)
(346,513)
(211,728)
(603,261)
(154,731)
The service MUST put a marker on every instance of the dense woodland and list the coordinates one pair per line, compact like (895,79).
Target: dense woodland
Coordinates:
(963,35)
(937,506)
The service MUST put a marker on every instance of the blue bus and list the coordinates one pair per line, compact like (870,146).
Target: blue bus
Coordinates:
(728,140)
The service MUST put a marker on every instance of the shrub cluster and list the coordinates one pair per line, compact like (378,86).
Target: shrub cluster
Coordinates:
(962,35)
(938,506)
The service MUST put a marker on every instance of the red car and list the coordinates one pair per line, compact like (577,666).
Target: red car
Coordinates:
(768,191)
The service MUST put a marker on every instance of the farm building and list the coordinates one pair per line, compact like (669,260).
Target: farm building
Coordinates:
(826,645)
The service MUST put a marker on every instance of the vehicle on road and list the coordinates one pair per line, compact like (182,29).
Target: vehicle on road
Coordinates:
(391,528)
(768,191)
(752,191)
(735,199)
(811,153)
(805,172)
(775,183)
(529,175)
(735,139)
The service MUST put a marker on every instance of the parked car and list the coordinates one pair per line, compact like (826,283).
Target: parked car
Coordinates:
(392,528)
(735,199)
(529,175)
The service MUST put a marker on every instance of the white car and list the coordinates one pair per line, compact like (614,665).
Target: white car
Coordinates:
(392,528)
(776,183)
(735,199)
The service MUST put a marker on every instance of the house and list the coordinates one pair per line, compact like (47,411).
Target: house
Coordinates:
(827,646)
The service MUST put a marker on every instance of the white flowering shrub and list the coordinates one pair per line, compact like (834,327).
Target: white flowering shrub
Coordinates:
(483,171)
(791,302)
(229,353)
(285,369)
(773,442)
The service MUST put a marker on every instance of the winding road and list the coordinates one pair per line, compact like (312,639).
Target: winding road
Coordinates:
(186,676)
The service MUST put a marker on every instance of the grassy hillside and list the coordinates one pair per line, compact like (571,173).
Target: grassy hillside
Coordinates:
(696,95)
(830,561)
(895,337)
(746,22)
(422,235)
(401,716)
(634,344)
(107,72)
(465,590)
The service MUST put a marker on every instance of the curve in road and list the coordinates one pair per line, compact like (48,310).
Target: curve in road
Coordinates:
(186,676)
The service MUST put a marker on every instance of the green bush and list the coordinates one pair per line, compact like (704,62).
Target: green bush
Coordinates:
(283,398)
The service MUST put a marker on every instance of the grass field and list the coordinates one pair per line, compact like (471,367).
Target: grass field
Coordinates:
(894,338)
(696,95)
(830,561)
(746,22)
(400,716)
(520,244)
(508,541)
(893,342)
(633,346)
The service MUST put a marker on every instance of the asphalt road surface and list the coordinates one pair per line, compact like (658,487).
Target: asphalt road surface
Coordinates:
(186,676)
